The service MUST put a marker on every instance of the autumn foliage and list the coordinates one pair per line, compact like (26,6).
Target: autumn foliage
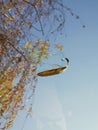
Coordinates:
(25,28)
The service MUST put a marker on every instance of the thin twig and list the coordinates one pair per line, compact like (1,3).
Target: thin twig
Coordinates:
(18,51)
(39,20)
(37,15)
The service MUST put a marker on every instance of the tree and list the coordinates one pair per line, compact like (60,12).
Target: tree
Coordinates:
(26,27)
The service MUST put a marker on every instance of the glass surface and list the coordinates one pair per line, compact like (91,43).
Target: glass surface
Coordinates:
(69,101)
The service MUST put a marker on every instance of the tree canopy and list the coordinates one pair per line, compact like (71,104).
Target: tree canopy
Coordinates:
(26,28)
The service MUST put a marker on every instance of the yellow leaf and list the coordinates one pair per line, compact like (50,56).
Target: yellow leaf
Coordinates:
(45,47)
(59,47)
(28,45)
(40,58)
(10,6)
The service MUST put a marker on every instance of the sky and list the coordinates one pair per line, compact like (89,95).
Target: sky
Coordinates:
(68,101)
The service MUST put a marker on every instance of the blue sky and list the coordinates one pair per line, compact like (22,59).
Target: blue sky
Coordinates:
(69,101)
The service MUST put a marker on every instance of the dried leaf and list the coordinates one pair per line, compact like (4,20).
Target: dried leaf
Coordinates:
(59,47)
(54,71)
